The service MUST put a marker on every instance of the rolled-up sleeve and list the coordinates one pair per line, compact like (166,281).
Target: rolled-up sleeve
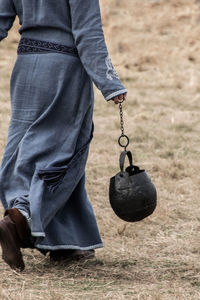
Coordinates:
(7,17)
(90,42)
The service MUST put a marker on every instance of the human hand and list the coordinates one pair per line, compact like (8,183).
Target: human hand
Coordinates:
(119,98)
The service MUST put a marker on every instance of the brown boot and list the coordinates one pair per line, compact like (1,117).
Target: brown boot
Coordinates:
(19,220)
(12,230)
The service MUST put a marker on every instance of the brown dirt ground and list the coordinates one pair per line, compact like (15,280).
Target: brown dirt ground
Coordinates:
(155,47)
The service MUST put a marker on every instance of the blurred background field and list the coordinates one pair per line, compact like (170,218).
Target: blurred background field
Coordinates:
(155,47)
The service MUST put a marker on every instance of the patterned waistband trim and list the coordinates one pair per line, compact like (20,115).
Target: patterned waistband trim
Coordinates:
(27,45)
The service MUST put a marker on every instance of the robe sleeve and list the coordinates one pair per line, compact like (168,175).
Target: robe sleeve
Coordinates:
(7,17)
(90,43)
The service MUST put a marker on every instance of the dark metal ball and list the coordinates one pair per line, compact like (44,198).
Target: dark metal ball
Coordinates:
(133,197)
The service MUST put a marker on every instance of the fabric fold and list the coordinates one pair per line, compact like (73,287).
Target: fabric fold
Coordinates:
(53,176)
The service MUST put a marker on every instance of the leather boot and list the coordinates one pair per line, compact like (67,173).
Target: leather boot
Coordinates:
(60,255)
(83,254)
(10,244)
(71,255)
(19,220)
(12,230)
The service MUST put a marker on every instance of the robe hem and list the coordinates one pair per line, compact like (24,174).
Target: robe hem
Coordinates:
(60,247)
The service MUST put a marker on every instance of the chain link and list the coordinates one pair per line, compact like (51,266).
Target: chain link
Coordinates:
(121,118)
(122,128)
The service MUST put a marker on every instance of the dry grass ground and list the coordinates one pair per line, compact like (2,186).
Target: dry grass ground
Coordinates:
(155,47)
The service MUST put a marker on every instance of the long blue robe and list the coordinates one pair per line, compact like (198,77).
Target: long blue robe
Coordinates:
(52,98)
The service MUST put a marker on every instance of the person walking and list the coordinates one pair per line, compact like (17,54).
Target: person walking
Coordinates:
(61,53)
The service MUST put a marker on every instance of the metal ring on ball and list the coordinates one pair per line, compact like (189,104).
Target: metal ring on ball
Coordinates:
(127,140)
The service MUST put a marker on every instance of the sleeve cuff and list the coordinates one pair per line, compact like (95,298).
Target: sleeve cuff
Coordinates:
(119,92)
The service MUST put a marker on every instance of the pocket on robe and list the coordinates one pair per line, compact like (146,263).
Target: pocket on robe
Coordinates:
(54,176)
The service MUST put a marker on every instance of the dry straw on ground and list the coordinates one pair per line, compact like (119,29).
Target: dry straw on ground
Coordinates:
(155,47)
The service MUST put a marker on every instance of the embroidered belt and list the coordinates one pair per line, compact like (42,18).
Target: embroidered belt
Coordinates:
(27,45)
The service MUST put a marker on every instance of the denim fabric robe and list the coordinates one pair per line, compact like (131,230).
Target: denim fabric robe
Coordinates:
(52,98)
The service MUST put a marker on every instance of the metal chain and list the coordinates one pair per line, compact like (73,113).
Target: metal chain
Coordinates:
(122,128)
(121,118)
